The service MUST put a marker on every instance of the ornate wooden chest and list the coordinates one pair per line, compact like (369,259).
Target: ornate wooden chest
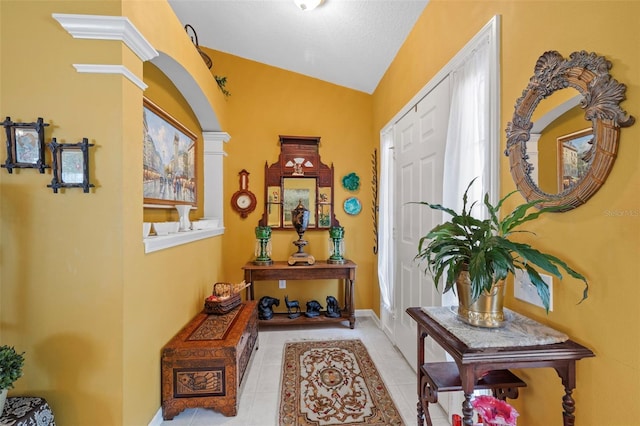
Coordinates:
(204,364)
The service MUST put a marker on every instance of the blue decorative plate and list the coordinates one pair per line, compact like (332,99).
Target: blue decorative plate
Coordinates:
(352,206)
(351,182)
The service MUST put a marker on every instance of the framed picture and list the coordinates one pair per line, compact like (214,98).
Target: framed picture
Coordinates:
(169,160)
(25,145)
(70,165)
(574,156)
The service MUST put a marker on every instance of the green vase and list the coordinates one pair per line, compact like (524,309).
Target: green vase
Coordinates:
(263,246)
(336,241)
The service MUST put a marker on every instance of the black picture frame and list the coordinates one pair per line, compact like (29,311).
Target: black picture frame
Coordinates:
(70,165)
(25,145)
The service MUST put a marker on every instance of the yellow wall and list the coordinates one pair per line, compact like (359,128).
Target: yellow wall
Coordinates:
(78,294)
(600,238)
(266,102)
(92,311)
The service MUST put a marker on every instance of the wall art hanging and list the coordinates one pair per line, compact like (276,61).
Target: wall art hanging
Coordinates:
(70,165)
(351,182)
(25,145)
(352,206)
(169,159)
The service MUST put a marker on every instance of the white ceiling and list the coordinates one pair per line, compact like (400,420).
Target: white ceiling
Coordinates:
(350,43)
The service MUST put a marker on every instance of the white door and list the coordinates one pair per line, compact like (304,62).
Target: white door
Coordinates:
(419,143)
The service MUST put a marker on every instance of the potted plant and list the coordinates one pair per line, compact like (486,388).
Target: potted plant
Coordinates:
(478,254)
(11,364)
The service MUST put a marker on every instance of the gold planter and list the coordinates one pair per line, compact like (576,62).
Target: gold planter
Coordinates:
(487,310)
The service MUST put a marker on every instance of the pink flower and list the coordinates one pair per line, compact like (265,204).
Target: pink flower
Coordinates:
(494,411)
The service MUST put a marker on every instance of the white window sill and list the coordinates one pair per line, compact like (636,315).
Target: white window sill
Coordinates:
(156,243)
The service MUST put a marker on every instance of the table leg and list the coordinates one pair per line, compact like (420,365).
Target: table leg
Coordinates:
(247,279)
(468,379)
(349,298)
(568,405)
(467,410)
(421,336)
(567,374)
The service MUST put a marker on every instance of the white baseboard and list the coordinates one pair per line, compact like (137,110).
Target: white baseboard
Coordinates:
(157,419)
(368,313)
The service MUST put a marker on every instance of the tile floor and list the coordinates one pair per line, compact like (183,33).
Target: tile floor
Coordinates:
(260,390)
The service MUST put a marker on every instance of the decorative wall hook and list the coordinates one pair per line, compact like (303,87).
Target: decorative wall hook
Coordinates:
(194,39)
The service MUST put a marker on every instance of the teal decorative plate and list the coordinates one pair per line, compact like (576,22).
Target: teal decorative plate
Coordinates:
(352,206)
(351,182)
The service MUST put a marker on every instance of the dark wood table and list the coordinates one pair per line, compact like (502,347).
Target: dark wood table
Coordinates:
(281,270)
(473,363)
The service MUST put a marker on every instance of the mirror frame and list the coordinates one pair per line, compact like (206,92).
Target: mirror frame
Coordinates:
(601,96)
(276,175)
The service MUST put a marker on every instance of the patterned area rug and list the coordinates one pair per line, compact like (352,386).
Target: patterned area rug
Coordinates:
(333,382)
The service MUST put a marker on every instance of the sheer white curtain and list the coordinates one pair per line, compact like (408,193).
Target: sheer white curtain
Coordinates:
(467,152)
(385,220)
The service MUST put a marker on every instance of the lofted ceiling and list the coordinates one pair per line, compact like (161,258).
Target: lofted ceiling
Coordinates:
(350,43)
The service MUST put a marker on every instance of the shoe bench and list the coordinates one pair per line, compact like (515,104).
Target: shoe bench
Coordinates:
(444,377)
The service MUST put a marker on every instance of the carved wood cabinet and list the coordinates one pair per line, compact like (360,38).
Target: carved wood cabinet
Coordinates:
(204,364)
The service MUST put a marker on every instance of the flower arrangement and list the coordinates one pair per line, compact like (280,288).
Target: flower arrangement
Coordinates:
(11,364)
(494,411)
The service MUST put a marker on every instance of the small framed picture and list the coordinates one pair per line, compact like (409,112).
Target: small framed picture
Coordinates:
(575,151)
(25,145)
(70,165)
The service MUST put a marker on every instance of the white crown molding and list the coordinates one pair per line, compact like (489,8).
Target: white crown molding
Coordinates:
(214,142)
(97,27)
(110,69)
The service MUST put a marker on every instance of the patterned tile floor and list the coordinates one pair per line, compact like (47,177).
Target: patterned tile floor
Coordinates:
(260,391)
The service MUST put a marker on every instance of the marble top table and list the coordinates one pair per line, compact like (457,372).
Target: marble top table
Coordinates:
(476,351)
(518,330)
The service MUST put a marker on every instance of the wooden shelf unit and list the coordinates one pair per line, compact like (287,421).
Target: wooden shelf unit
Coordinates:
(281,270)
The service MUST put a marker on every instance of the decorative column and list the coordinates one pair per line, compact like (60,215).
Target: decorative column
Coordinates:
(213,174)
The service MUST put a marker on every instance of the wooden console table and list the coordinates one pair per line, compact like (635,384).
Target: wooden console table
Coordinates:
(473,362)
(281,270)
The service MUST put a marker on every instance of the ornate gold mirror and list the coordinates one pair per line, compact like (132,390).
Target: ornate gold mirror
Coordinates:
(298,176)
(555,156)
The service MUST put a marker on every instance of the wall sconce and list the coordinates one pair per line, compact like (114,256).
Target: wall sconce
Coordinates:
(307,5)
(336,245)
(263,246)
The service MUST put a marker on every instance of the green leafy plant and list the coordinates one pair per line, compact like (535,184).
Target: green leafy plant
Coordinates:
(11,364)
(222,83)
(483,247)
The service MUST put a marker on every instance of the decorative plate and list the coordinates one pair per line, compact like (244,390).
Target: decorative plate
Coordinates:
(351,182)
(352,206)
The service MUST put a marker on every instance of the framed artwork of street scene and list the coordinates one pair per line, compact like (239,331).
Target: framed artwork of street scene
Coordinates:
(169,159)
